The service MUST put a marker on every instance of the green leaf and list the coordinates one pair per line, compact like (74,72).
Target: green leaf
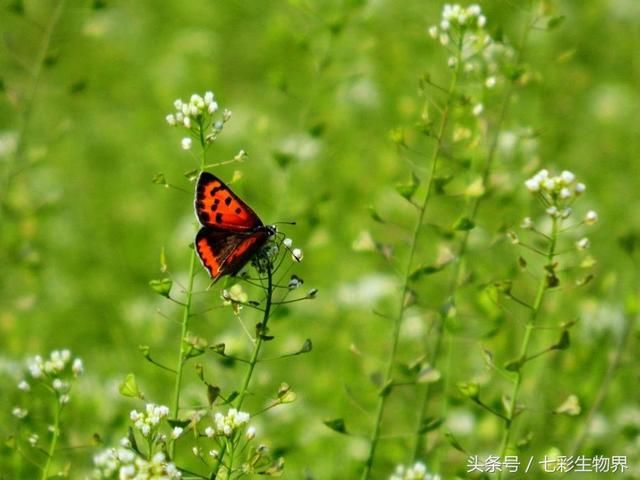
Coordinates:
(440,182)
(564,341)
(163,261)
(513,365)
(192,174)
(178,423)
(307,346)
(454,443)
(160,179)
(406,190)
(571,406)
(212,393)
(428,374)
(464,224)
(423,271)
(374,214)
(283,159)
(430,423)
(161,286)
(469,389)
(555,22)
(129,387)
(337,425)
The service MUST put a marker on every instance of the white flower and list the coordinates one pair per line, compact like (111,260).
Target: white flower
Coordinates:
(125,442)
(433,31)
(196,451)
(490,82)
(171,119)
(213,107)
(583,243)
(591,217)
(444,25)
(444,39)
(580,188)
(251,433)
(24,386)
(567,176)
(187,122)
(57,384)
(186,143)
(532,184)
(297,254)
(565,193)
(33,439)
(452,62)
(208,97)
(176,432)
(527,223)
(477,109)
(19,412)
(77,367)
(287,242)
(64,398)
(214,453)
(209,432)
(552,211)
(482,21)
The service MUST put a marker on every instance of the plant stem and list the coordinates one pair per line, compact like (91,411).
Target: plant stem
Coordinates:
(25,116)
(54,440)
(259,341)
(526,340)
(375,437)
(462,249)
(186,315)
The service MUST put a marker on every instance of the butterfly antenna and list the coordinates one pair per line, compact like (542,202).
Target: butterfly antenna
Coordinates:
(285,223)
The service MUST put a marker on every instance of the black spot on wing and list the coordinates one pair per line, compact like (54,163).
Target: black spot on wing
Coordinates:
(227,201)
(218,218)
(238,210)
(204,217)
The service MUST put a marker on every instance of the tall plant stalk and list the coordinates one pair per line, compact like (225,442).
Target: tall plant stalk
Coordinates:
(462,248)
(388,378)
(25,114)
(257,348)
(543,286)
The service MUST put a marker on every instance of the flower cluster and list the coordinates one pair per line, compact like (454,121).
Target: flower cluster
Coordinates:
(55,365)
(417,471)
(227,425)
(198,116)
(56,372)
(147,422)
(557,194)
(124,464)
(472,50)
(457,21)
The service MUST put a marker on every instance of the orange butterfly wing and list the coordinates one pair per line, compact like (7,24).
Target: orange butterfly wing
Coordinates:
(217,205)
(231,232)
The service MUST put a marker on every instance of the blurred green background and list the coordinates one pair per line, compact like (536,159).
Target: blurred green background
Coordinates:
(315,89)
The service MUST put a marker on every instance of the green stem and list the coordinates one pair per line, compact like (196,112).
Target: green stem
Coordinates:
(54,440)
(462,250)
(25,117)
(375,436)
(259,341)
(524,347)
(186,315)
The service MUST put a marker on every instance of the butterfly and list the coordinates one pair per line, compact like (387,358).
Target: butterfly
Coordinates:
(231,233)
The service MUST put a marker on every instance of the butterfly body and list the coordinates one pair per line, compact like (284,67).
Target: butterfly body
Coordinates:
(231,232)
